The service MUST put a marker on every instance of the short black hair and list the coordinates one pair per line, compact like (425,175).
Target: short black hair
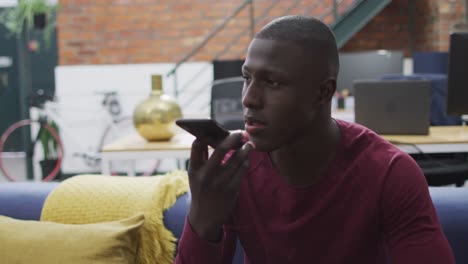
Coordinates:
(311,33)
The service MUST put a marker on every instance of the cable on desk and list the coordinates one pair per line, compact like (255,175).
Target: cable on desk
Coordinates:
(421,152)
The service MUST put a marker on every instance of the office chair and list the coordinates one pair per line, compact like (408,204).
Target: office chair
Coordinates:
(444,169)
(430,62)
(226,105)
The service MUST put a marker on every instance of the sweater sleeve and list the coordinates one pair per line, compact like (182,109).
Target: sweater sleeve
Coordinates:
(193,249)
(410,223)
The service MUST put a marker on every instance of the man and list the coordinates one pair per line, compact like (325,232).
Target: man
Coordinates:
(305,188)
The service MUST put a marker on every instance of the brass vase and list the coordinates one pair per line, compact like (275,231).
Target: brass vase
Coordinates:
(154,118)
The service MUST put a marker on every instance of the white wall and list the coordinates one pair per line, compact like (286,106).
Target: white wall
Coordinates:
(6,3)
(78,88)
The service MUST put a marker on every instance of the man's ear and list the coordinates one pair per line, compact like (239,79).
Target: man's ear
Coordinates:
(327,90)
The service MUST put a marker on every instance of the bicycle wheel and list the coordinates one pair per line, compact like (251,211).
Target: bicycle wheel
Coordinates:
(26,124)
(115,130)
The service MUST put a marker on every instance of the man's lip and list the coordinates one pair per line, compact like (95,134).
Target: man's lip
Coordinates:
(254,129)
(254,125)
(254,121)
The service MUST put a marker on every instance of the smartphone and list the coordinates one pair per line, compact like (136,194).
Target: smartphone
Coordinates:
(205,129)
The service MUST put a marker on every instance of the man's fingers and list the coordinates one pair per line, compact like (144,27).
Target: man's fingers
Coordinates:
(238,158)
(234,182)
(230,143)
(235,167)
(198,155)
(243,152)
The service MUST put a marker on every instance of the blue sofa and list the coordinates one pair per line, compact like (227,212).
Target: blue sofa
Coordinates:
(25,201)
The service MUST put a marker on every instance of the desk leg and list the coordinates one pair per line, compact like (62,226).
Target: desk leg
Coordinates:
(182,164)
(131,168)
(105,166)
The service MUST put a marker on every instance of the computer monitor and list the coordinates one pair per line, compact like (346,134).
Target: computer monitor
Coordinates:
(226,102)
(367,65)
(227,68)
(457,91)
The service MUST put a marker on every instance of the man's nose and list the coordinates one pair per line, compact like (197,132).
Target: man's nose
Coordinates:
(252,96)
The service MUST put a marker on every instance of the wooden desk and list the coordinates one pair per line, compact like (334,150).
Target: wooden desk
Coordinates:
(441,139)
(444,139)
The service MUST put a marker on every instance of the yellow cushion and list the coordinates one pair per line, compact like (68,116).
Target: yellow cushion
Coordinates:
(87,199)
(47,242)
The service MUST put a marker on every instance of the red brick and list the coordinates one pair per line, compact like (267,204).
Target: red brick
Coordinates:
(142,31)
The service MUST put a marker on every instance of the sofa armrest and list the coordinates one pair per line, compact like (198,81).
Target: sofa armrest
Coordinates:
(24,200)
(452,208)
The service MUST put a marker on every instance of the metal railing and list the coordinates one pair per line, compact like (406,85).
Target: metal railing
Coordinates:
(213,33)
(218,55)
(466,11)
(333,10)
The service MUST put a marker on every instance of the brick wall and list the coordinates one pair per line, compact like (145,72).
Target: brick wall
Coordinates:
(415,25)
(148,31)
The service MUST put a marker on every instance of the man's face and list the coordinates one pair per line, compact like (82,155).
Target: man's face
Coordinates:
(280,94)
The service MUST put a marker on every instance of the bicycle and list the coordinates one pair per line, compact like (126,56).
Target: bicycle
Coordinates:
(44,110)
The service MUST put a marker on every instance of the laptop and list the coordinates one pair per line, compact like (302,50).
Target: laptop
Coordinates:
(393,107)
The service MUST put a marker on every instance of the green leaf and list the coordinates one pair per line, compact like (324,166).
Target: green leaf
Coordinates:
(20,18)
(48,142)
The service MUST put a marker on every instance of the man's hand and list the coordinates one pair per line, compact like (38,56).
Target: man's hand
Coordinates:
(215,184)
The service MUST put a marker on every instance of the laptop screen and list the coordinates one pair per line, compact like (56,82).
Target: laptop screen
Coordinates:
(393,106)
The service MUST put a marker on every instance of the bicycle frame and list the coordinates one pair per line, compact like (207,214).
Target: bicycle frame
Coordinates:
(107,118)
(89,153)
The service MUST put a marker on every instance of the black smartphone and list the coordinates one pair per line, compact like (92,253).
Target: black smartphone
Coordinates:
(206,129)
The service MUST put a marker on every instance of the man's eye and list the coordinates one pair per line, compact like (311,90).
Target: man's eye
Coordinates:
(273,82)
(246,78)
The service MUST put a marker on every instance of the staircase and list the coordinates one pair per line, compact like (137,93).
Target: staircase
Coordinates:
(345,17)
(349,23)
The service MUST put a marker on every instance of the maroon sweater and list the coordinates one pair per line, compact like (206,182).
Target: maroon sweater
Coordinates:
(372,204)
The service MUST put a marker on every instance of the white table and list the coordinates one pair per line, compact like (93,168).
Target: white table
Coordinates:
(134,147)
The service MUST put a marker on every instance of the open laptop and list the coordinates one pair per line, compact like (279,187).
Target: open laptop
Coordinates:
(393,106)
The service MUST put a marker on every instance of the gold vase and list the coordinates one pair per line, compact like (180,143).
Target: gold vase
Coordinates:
(154,118)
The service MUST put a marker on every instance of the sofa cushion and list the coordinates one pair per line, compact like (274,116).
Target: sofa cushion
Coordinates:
(24,241)
(97,198)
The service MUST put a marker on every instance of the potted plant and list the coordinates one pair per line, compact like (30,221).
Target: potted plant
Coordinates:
(28,15)
(49,149)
